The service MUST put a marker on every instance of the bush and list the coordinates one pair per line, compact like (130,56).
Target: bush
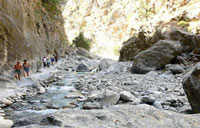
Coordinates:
(183,24)
(81,41)
(52,5)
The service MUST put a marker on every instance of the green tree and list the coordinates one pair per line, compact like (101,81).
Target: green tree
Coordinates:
(81,41)
(146,10)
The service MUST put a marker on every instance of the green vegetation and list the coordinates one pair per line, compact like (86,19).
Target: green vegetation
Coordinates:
(116,50)
(53,5)
(146,10)
(183,24)
(81,41)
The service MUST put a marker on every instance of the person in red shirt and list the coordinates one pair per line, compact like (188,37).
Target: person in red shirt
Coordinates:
(26,68)
(18,68)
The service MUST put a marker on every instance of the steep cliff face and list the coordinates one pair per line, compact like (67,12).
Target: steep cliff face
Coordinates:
(111,22)
(29,30)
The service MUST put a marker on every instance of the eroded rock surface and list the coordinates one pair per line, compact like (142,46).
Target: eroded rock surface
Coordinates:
(156,56)
(29,30)
(192,87)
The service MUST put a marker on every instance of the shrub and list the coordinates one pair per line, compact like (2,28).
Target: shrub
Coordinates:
(52,5)
(81,41)
(183,24)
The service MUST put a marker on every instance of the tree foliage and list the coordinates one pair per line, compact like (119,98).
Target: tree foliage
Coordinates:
(81,41)
(146,10)
(53,5)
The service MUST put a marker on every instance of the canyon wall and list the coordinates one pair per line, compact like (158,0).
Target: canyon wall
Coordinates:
(109,23)
(30,29)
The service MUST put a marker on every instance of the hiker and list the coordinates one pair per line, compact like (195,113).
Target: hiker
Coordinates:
(18,68)
(48,62)
(56,58)
(52,60)
(44,62)
(26,68)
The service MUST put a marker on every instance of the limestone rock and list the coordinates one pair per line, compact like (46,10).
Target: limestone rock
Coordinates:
(6,101)
(29,31)
(90,105)
(139,116)
(74,95)
(109,98)
(85,53)
(115,68)
(82,68)
(187,39)
(126,96)
(157,56)
(41,90)
(105,64)
(148,99)
(175,68)
(5,123)
(134,45)
(191,87)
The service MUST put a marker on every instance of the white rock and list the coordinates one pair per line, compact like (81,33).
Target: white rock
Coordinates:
(126,96)
(74,95)
(41,90)
(109,98)
(5,123)
(6,102)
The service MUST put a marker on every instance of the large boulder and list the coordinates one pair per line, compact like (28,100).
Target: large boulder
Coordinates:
(126,96)
(85,53)
(191,85)
(106,63)
(156,56)
(134,45)
(175,68)
(109,98)
(118,116)
(82,68)
(197,45)
(187,39)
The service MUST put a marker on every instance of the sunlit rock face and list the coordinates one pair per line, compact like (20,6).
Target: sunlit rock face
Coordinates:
(111,22)
(28,30)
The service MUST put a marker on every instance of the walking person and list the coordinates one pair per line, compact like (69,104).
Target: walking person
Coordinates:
(26,68)
(48,62)
(52,60)
(56,58)
(44,62)
(18,69)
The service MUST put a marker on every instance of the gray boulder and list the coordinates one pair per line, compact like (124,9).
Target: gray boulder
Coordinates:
(187,39)
(115,68)
(90,105)
(156,57)
(119,116)
(175,68)
(106,63)
(126,96)
(134,45)
(109,98)
(191,86)
(82,68)
(148,99)
(85,53)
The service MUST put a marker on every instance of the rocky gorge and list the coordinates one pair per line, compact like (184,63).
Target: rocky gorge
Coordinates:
(103,94)
(154,84)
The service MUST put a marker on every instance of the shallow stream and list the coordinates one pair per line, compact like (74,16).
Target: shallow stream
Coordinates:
(53,99)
